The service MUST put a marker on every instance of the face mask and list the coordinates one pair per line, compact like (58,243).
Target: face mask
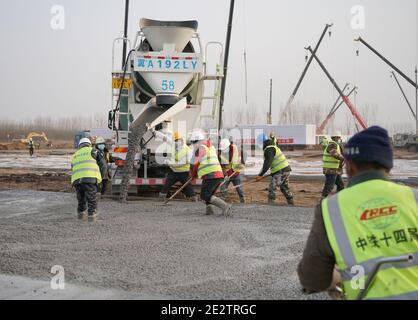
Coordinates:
(178,144)
(101,147)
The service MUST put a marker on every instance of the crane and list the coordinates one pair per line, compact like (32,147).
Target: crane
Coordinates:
(361,40)
(393,75)
(334,109)
(403,75)
(345,98)
(308,64)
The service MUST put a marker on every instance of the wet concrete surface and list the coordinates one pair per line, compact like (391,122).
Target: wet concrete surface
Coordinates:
(146,250)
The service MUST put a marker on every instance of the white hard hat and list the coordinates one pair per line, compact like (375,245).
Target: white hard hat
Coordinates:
(100,140)
(196,136)
(337,134)
(84,141)
(224,145)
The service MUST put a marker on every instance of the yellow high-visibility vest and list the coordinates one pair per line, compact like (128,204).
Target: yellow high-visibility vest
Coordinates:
(329,162)
(234,164)
(180,159)
(369,221)
(209,162)
(280,162)
(83,165)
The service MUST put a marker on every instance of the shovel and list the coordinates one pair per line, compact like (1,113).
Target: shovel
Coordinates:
(178,191)
(246,184)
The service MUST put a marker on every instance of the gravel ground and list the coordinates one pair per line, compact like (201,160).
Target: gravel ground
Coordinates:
(145,249)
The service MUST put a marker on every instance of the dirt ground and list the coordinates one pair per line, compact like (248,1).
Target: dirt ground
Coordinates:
(56,145)
(307,193)
(27,179)
(307,190)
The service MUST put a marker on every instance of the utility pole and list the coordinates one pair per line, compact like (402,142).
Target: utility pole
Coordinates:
(125,33)
(227,46)
(246,77)
(269,115)
(416,98)
(295,91)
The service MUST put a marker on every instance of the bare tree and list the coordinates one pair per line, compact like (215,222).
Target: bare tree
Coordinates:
(251,114)
(369,113)
(239,116)
(56,128)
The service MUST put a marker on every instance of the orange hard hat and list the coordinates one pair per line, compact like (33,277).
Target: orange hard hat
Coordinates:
(177,136)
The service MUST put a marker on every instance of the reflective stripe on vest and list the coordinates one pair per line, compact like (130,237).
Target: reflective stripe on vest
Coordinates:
(352,218)
(234,164)
(329,162)
(83,165)
(279,162)
(209,162)
(181,160)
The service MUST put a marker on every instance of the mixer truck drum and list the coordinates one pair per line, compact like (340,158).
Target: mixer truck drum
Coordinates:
(193,24)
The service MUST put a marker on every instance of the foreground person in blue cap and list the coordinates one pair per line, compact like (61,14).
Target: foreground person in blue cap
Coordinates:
(372,219)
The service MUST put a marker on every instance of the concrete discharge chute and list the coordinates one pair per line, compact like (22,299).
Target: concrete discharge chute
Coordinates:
(162,88)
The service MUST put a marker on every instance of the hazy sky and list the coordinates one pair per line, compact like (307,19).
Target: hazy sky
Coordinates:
(68,72)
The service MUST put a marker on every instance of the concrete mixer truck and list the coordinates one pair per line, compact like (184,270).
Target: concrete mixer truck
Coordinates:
(161,88)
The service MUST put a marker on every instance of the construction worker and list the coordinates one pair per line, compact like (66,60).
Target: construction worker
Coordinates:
(205,165)
(31,147)
(88,167)
(333,163)
(179,167)
(373,218)
(231,166)
(276,162)
(324,142)
(101,147)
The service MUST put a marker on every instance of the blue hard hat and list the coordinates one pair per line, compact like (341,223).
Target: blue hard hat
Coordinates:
(262,138)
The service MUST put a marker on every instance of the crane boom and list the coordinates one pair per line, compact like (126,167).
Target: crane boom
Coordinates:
(361,40)
(295,91)
(403,93)
(346,100)
(324,124)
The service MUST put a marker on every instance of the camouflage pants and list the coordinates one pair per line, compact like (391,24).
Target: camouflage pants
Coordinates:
(332,180)
(86,196)
(237,182)
(280,180)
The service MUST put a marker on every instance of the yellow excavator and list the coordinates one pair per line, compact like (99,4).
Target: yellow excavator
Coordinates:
(32,135)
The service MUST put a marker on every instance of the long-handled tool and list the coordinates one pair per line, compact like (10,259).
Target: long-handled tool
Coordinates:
(246,183)
(178,191)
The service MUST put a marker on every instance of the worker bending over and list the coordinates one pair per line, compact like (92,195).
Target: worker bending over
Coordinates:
(231,166)
(179,165)
(88,167)
(205,165)
(101,147)
(333,163)
(373,218)
(276,162)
